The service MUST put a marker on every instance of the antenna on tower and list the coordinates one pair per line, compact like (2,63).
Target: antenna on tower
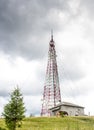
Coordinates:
(51,35)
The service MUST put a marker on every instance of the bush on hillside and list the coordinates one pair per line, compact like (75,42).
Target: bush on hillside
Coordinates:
(2,128)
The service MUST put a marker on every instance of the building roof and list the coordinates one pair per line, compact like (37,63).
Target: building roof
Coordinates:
(71,104)
(66,104)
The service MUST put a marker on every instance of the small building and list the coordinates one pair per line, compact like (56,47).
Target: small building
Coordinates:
(67,108)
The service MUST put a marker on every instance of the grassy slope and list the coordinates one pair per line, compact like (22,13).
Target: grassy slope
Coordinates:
(53,123)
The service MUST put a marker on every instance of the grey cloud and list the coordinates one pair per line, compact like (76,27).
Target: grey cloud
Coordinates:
(74,91)
(4,89)
(88,6)
(27,88)
(57,4)
(71,64)
(35,90)
(24,25)
(3,93)
(73,73)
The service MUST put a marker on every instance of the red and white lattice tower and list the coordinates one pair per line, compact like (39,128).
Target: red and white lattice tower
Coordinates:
(51,94)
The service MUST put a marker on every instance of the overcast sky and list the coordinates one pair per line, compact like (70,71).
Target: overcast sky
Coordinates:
(25,28)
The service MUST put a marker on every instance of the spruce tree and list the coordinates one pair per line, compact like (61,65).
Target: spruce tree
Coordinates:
(14,110)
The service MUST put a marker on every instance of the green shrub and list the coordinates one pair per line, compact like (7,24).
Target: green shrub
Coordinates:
(2,128)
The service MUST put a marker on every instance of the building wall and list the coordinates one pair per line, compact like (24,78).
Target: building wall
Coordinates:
(72,111)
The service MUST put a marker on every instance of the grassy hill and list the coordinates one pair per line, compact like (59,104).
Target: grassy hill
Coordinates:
(55,123)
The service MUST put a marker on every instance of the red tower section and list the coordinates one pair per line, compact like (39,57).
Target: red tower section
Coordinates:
(51,94)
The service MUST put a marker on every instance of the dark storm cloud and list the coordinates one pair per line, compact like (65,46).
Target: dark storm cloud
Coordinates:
(24,25)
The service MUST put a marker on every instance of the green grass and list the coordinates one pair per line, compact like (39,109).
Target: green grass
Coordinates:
(55,123)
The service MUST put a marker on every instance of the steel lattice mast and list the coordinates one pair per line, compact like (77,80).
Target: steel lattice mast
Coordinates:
(51,94)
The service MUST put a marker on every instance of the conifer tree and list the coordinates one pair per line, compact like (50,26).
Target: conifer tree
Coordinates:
(14,110)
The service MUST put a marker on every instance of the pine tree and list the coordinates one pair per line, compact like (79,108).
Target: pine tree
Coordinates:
(14,110)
